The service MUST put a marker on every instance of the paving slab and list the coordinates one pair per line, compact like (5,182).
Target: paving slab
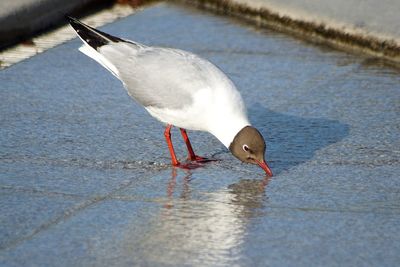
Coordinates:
(85,170)
(26,211)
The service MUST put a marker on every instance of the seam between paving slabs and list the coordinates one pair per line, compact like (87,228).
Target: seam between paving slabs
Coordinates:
(67,214)
(88,163)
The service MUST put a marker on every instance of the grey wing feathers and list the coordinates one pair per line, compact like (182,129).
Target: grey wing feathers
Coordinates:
(158,77)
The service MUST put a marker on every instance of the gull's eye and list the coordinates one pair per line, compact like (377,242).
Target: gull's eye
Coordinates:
(246,148)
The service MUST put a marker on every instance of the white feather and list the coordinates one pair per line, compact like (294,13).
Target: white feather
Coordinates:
(92,53)
(176,87)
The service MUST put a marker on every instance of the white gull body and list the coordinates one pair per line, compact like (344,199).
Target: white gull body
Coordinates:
(179,89)
(176,87)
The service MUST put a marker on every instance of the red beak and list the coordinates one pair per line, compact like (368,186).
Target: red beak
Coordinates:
(265,167)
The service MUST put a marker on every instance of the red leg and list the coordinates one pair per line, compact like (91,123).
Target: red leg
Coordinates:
(191,155)
(167,134)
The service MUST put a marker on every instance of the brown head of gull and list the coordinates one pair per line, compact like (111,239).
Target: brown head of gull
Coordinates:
(249,146)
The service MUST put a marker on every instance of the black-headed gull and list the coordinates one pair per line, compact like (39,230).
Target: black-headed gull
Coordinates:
(180,89)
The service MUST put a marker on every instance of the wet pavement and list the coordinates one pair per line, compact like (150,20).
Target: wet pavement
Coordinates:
(85,176)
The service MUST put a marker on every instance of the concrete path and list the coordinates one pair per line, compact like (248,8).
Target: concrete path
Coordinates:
(370,27)
(85,178)
(378,18)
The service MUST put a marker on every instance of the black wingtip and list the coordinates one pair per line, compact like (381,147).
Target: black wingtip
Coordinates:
(70,19)
(73,22)
(90,35)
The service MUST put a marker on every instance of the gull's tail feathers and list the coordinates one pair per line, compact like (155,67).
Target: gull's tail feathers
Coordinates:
(104,48)
(93,40)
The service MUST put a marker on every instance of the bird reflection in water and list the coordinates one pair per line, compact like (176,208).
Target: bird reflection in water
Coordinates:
(249,196)
(207,227)
(246,192)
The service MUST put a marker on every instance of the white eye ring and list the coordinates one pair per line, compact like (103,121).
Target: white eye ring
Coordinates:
(246,147)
